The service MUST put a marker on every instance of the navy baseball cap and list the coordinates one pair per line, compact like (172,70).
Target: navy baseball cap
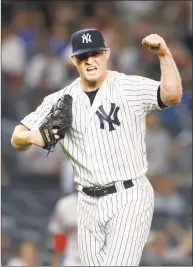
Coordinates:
(87,40)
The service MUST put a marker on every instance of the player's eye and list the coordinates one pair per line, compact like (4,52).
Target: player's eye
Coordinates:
(82,57)
(85,56)
(95,54)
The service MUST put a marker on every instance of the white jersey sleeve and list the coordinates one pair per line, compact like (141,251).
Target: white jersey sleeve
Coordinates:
(140,91)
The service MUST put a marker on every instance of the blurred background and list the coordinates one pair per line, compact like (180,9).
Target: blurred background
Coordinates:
(36,62)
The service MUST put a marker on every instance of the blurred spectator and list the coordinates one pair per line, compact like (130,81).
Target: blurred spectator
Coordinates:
(13,59)
(159,144)
(156,249)
(5,248)
(5,179)
(7,99)
(182,251)
(35,162)
(36,165)
(28,24)
(182,152)
(6,16)
(45,72)
(160,251)
(67,15)
(139,8)
(13,52)
(125,56)
(59,39)
(28,255)
(6,225)
(178,13)
(63,227)
(168,200)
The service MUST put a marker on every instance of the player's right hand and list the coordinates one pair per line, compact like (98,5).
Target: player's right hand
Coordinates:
(36,137)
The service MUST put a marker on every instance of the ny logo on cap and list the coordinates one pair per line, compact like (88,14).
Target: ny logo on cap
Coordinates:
(86,38)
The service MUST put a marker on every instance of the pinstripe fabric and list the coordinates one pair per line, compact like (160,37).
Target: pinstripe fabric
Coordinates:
(114,229)
(100,156)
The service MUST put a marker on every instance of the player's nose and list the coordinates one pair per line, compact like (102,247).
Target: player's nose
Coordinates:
(89,60)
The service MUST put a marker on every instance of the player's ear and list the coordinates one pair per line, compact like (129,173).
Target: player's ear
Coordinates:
(73,59)
(108,52)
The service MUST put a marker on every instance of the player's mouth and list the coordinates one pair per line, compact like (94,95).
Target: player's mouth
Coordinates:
(91,69)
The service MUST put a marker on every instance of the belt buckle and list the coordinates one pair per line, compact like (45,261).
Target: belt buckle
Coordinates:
(105,192)
(94,191)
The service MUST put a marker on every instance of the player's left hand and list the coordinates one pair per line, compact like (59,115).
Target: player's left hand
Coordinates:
(156,44)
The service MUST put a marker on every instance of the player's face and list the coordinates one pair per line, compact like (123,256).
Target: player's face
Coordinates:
(92,66)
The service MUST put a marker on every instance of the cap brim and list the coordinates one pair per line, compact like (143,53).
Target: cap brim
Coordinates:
(82,51)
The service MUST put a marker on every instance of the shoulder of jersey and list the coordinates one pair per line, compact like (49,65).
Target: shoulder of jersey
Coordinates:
(69,89)
(123,76)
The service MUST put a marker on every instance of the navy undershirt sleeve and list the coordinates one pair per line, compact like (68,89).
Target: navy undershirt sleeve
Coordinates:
(160,102)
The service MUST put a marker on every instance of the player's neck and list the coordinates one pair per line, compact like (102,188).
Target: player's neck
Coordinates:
(92,86)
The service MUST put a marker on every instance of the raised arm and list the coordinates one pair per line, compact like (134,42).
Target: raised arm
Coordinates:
(171,86)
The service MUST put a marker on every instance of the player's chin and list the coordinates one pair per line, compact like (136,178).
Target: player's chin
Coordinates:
(92,80)
(93,77)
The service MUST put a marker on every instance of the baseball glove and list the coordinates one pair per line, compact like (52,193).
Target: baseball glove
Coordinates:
(60,117)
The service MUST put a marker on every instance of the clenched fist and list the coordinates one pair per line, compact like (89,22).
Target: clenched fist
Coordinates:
(156,44)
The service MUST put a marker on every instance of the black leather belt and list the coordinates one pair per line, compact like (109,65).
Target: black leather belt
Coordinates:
(101,192)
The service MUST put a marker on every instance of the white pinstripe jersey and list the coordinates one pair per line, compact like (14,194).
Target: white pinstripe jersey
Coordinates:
(101,156)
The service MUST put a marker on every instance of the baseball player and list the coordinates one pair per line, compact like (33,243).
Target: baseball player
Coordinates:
(106,146)
(63,226)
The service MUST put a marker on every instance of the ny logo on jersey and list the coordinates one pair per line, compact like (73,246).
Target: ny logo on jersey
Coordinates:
(111,118)
(86,38)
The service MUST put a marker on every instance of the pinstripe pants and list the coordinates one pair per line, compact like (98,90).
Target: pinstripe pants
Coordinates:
(112,230)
